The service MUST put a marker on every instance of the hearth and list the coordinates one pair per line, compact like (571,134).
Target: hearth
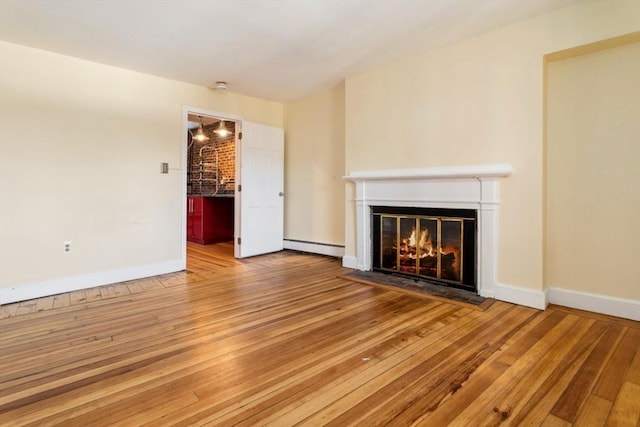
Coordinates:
(433,244)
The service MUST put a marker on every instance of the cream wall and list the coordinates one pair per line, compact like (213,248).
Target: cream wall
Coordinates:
(80,151)
(593,175)
(314,167)
(252,109)
(477,101)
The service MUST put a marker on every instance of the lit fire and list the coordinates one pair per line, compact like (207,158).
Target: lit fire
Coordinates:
(412,245)
(426,246)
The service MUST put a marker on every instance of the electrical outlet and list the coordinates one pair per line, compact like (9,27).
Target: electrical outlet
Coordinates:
(67,246)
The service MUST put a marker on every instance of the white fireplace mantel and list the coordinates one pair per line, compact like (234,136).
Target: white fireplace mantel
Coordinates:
(466,187)
(476,171)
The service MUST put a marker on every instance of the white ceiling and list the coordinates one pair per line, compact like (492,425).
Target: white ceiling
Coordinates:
(277,50)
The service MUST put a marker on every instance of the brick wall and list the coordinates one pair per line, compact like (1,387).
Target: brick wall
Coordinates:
(226,149)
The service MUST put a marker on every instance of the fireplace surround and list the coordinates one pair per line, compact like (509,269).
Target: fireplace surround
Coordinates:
(457,187)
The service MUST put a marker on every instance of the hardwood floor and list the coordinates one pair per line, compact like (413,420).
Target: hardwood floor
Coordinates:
(282,340)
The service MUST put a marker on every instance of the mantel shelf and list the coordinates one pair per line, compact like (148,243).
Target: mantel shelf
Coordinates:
(475,171)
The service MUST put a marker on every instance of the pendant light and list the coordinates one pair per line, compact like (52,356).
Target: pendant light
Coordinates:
(222,130)
(200,136)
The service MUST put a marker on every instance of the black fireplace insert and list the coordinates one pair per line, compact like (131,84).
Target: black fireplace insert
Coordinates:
(437,245)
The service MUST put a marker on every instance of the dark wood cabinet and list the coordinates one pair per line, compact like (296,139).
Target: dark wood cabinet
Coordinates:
(209,219)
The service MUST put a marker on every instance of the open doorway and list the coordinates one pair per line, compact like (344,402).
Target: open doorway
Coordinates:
(209,182)
(258,180)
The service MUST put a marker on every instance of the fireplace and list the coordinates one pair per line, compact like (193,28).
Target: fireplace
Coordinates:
(432,244)
(473,188)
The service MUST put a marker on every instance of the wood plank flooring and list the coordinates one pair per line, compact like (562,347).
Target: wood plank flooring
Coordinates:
(282,340)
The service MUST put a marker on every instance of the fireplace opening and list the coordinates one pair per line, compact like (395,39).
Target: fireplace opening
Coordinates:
(433,244)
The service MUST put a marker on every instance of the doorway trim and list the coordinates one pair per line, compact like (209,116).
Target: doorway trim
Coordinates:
(186,110)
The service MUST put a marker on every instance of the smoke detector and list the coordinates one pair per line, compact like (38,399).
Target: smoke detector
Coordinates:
(221,86)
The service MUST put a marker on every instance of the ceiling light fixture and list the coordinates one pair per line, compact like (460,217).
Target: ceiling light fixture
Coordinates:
(222,130)
(221,86)
(200,136)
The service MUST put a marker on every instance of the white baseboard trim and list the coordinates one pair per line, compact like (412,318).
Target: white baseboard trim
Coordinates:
(314,248)
(68,284)
(520,296)
(597,303)
(350,262)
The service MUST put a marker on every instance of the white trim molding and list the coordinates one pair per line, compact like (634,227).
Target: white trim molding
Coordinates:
(350,262)
(445,172)
(597,303)
(68,284)
(521,296)
(314,248)
(459,187)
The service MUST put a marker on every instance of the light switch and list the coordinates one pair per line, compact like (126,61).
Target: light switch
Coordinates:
(164,168)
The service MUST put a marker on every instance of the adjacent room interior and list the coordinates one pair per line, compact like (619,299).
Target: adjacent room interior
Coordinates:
(211,175)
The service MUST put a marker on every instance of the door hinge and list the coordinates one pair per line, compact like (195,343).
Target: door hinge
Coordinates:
(239,241)
(239,188)
(239,135)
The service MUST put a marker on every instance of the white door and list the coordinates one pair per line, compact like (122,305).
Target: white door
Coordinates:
(261,190)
